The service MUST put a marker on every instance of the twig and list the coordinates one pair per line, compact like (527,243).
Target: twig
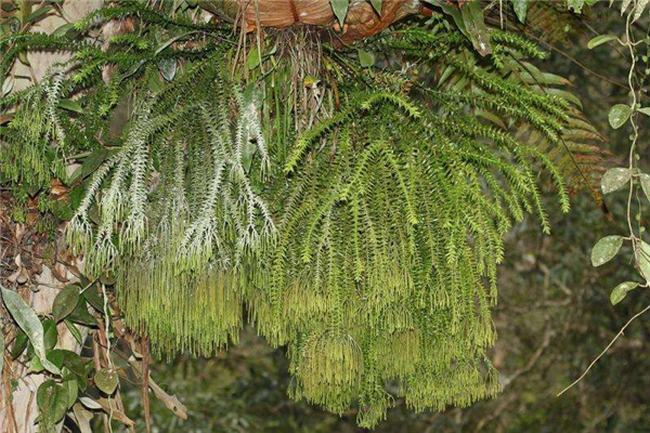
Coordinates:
(171,401)
(604,350)
(144,350)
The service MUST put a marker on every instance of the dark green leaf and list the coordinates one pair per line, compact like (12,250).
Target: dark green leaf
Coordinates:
(65,302)
(81,315)
(20,343)
(56,357)
(366,58)
(614,179)
(472,14)
(50,334)
(90,164)
(94,297)
(70,105)
(618,115)
(72,391)
(73,363)
(28,321)
(620,291)
(52,401)
(38,14)
(340,9)
(605,250)
(76,195)
(520,7)
(62,210)
(106,381)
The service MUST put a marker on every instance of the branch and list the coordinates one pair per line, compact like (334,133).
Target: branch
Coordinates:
(171,401)
(604,350)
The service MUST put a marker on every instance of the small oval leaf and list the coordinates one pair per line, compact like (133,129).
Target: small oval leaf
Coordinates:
(366,58)
(20,344)
(65,302)
(599,40)
(50,334)
(605,250)
(614,179)
(620,291)
(106,380)
(618,115)
(52,401)
(253,59)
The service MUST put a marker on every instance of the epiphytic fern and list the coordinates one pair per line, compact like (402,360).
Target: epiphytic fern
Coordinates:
(488,90)
(178,209)
(379,271)
(384,272)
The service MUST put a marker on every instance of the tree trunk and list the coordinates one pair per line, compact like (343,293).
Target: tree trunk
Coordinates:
(18,409)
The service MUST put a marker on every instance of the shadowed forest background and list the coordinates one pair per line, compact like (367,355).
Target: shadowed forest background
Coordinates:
(552,318)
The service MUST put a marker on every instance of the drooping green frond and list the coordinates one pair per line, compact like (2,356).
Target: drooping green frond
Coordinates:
(371,253)
(513,94)
(177,210)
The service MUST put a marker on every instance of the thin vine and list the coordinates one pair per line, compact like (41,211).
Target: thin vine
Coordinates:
(616,178)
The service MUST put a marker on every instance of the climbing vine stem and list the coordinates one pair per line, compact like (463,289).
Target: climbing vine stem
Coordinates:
(616,178)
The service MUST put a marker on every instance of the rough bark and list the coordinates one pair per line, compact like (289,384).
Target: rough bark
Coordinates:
(361,22)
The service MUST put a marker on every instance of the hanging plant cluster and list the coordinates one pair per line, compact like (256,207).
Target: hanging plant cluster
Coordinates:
(355,217)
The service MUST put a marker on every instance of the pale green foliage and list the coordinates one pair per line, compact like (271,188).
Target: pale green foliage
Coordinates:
(27,153)
(177,211)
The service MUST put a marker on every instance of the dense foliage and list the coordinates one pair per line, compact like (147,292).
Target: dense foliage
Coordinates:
(350,207)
